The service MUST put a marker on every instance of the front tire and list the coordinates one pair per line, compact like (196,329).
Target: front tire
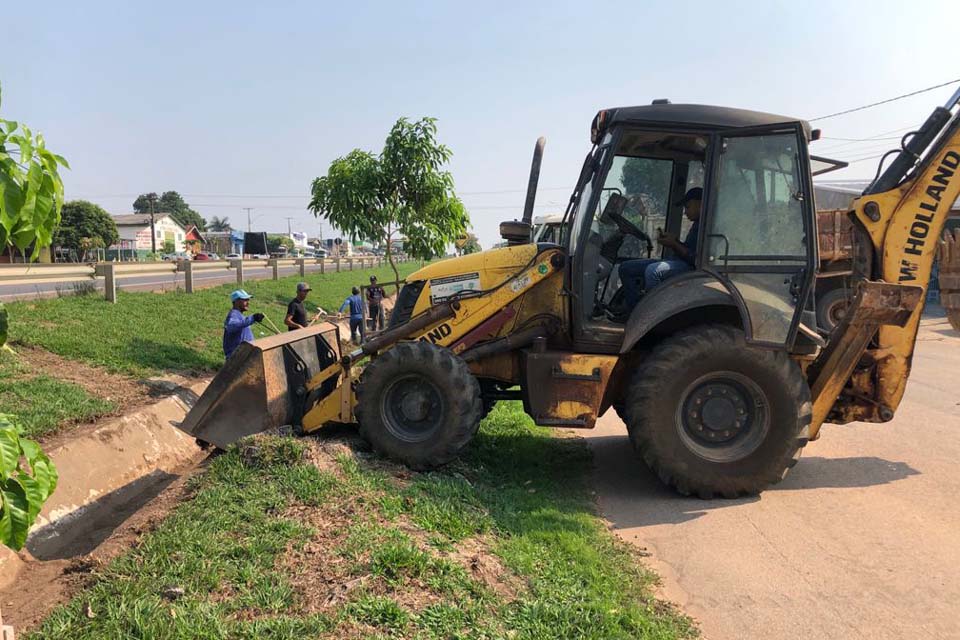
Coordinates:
(418,404)
(712,416)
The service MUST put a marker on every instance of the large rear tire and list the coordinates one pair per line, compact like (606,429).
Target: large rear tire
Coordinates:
(714,417)
(418,404)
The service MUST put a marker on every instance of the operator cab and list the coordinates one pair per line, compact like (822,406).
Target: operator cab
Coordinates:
(751,251)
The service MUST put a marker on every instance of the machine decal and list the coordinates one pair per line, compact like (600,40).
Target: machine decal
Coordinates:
(520,283)
(442,289)
(437,334)
(920,228)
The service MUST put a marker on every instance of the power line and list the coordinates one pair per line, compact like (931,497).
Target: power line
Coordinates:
(307,197)
(861,139)
(888,100)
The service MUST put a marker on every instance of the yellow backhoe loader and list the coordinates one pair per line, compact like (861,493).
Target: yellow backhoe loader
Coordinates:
(719,372)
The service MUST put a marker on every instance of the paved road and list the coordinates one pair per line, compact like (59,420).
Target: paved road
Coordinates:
(862,540)
(163,282)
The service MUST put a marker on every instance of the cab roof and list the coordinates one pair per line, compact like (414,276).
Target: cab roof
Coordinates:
(695,116)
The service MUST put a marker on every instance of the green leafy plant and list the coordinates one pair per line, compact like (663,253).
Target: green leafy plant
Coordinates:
(23,487)
(31,191)
(403,190)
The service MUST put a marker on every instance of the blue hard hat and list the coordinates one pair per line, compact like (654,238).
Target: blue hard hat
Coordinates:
(239,294)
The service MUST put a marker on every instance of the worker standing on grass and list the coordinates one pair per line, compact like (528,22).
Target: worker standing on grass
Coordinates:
(296,313)
(375,296)
(356,315)
(236,328)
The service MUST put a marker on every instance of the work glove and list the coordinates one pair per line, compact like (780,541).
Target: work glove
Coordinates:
(258,317)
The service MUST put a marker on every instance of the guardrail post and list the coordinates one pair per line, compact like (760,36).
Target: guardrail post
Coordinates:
(302,263)
(275,265)
(323,265)
(187,267)
(338,264)
(350,263)
(237,263)
(109,281)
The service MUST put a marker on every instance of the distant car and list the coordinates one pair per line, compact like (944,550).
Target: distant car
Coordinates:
(260,256)
(234,256)
(176,257)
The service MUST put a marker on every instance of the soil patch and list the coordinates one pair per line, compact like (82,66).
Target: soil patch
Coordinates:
(326,578)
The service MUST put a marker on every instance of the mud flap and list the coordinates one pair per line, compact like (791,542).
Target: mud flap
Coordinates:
(264,385)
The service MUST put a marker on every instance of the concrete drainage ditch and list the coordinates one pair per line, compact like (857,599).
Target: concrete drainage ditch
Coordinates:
(107,472)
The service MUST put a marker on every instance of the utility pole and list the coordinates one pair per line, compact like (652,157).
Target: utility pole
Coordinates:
(151,198)
(289,231)
(248,210)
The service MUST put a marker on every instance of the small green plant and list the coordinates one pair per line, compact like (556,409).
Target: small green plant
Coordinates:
(23,487)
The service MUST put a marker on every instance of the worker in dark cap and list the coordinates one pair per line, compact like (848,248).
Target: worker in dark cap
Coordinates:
(375,296)
(648,273)
(296,317)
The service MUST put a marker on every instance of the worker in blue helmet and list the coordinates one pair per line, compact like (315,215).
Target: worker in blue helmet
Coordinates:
(236,328)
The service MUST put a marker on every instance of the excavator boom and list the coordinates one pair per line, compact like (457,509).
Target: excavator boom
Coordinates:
(900,218)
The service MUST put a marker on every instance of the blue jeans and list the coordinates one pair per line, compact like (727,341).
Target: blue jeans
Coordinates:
(652,271)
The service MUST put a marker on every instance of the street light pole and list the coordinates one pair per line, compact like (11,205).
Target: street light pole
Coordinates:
(248,210)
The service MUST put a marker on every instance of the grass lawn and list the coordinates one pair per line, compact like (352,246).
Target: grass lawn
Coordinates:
(151,333)
(42,403)
(275,543)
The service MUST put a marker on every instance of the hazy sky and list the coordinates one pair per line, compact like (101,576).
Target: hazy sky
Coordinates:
(240,104)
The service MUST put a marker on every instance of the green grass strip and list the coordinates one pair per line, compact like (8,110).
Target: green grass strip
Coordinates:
(152,333)
(42,403)
(520,489)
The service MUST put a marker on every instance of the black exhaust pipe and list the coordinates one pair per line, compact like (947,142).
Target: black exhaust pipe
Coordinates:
(518,231)
(534,180)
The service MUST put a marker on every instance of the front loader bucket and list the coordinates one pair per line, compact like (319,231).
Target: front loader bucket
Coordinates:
(263,385)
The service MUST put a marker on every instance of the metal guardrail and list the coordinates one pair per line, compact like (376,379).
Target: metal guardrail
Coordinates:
(112,272)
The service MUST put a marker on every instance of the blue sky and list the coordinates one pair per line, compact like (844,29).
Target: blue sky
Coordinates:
(240,104)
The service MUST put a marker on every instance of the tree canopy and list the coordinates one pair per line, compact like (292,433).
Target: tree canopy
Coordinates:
(404,190)
(219,224)
(83,226)
(173,204)
(275,241)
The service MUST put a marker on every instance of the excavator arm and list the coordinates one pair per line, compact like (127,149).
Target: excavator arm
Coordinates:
(862,374)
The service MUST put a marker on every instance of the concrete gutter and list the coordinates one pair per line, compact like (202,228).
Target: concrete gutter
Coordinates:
(107,459)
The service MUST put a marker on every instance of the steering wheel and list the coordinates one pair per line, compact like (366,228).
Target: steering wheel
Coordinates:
(628,227)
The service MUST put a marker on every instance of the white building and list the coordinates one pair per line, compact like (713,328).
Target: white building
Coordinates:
(134,230)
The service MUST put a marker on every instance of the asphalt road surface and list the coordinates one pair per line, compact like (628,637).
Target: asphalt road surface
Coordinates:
(861,540)
(165,282)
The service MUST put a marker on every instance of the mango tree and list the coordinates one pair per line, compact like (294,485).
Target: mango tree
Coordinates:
(403,191)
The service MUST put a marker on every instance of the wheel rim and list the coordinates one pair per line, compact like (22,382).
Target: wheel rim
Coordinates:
(412,408)
(723,416)
(836,312)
